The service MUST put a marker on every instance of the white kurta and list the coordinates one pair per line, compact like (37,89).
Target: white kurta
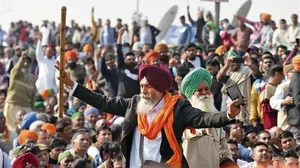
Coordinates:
(46,78)
(151,150)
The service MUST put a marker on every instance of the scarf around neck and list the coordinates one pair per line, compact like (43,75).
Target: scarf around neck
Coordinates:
(164,119)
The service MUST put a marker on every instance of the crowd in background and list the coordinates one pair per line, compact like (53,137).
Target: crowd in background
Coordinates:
(261,58)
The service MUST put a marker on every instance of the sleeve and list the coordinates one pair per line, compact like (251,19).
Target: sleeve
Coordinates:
(101,36)
(275,37)
(104,69)
(296,95)
(39,51)
(246,20)
(17,69)
(120,55)
(116,106)
(245,154)
(276,99)
(6,160)
(195,118)
(190,18)
(253,104)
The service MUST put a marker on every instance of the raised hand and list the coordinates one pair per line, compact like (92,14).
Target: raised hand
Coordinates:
(65,78)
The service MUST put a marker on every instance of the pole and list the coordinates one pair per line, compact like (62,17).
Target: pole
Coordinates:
(62,56)
(137,6)
(217,13)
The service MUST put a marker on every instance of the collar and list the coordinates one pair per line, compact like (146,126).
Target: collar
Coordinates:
(159,106)
(72,151)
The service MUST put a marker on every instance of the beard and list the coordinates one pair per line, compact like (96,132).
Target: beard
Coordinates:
(130,65)
(204,103)
(147,103)
(72,65)
(164,59)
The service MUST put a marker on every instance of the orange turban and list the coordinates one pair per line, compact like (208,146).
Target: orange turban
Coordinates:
(45,94)
(87,48)
(161,47)
(287,68)
(266,16)
(70,54)
(49,128)
(296,62)
(151,55)
(221,49)
(26,134)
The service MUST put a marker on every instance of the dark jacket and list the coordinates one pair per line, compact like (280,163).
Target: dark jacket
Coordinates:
(199,24)
(154,33)
(184,115)
(294,110)
(128,77)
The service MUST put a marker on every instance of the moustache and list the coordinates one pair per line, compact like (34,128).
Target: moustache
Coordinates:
(145,96)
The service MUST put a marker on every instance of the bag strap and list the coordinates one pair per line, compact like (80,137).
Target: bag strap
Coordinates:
(142,148)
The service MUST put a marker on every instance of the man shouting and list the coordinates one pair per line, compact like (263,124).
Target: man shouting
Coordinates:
(201,147)
(154,120)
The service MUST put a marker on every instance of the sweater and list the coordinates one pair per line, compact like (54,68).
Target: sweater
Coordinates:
(128,77)
(111,76)
(22,88)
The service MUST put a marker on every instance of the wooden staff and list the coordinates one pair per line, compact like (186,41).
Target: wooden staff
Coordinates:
(62,57)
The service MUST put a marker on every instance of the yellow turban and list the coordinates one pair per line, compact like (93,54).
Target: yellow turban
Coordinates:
(221,49)
(161,48)
(296,62)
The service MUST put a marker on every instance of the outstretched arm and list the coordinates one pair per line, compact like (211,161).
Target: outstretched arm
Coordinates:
(116,106)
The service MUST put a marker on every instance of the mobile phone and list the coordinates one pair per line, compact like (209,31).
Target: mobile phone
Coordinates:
(238,60)
(298,41)
(234,93)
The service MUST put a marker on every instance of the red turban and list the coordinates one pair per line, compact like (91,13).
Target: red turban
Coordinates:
(51,46)
(70,54)
(24,159)
(150,56)
(26,134)
(157,77)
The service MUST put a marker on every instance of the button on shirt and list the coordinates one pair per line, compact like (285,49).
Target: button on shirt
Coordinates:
(151,148)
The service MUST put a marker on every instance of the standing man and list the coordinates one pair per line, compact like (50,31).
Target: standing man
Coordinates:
(107,35)
(46,78)
(196,87)
(199,23)
(155,120)
(185,34)
(293,113)
(21,91)
(241,36)
(294,29)
(148,33)
(281,98)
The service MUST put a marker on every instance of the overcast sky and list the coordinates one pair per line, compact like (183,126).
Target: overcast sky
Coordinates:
(37,10)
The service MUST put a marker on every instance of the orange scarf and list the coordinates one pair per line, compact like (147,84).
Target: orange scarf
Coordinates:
(164,119)
(6,136)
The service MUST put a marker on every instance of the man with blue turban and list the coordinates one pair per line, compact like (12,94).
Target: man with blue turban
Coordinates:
(91,117)
(198,146)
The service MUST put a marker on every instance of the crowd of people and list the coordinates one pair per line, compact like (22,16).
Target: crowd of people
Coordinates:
(130,101)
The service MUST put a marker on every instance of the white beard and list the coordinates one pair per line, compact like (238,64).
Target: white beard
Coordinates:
(146,105)
(204,103)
